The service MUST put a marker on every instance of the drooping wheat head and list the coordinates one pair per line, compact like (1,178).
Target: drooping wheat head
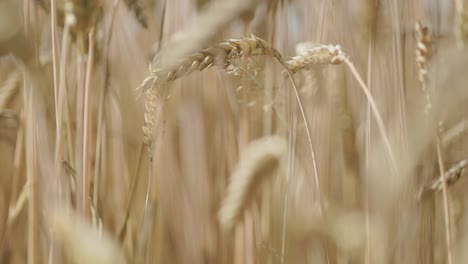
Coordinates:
(222,55)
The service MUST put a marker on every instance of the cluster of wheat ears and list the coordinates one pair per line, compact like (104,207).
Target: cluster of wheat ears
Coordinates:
(251,139)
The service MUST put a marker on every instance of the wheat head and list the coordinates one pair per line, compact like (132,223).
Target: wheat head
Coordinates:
(258,161)
(222,55)
(325,54)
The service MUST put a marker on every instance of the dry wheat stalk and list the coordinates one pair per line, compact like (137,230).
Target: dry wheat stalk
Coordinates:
(444,188)
(222,55)
(259,160)
(461,23)
(329,54)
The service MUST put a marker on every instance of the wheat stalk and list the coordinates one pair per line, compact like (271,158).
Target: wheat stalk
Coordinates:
(448,227)
(461,23)
(423,52)
(329,54)
(258,161)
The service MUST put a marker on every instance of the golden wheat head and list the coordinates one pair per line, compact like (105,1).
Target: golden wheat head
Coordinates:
(222,55)
(325,54)
(259,160)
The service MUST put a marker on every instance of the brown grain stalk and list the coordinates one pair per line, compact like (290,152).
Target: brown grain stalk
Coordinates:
(335,55)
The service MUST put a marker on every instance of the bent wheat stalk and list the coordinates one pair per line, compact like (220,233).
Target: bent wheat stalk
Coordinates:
(329,54)
(222,55)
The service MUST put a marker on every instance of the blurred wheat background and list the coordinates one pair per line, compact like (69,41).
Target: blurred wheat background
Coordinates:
(233,131)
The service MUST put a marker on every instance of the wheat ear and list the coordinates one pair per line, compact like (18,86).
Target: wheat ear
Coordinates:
(325,54)
(423,53)
(222,55)
(461,23)
(258,161)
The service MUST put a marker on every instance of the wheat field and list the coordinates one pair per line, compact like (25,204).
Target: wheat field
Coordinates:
(233,131)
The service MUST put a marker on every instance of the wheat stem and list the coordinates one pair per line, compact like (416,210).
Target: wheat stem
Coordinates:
(375,111)
(86,123)
(308,132)
(334,55)
(222,55)
(448,231)
(55,58)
